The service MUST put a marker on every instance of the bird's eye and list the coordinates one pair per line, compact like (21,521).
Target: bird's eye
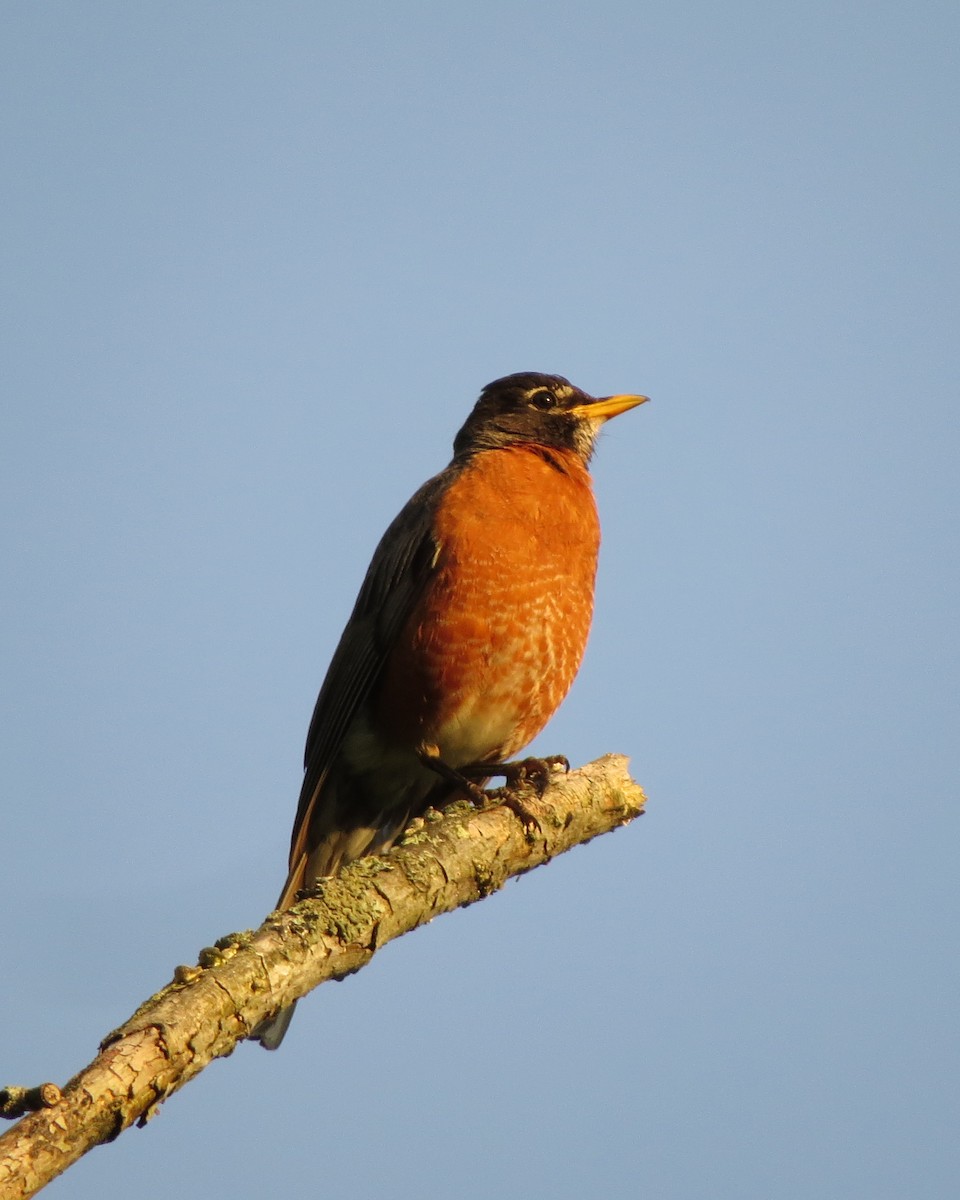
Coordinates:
(543,399)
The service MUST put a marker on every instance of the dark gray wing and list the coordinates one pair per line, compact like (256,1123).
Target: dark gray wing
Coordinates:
(398,573)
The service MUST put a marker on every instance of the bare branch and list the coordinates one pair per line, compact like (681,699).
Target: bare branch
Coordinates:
(445,861)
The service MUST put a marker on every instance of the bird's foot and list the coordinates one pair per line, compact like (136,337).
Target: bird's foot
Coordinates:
(533,771)
(525,772)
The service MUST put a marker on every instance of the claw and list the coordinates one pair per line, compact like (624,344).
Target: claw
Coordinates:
(526,772)
(523,814)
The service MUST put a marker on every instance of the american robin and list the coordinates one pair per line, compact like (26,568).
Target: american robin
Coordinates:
(466,635)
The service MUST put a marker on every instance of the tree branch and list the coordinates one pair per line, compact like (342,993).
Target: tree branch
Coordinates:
(444,861)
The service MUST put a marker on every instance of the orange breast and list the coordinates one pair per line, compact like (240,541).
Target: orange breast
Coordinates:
(494,645)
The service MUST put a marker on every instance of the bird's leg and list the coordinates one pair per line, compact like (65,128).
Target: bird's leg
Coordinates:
(429,756)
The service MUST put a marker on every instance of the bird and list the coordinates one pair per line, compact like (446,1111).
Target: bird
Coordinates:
(467,633)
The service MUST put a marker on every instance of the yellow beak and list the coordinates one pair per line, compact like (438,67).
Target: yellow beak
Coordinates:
(607,406)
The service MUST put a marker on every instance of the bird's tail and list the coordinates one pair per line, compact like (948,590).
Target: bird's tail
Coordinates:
(333,852)
(271,1032)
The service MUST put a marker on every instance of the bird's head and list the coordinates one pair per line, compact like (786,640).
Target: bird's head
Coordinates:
(542,410)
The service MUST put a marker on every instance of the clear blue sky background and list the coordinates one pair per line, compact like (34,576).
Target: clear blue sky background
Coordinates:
(258,260)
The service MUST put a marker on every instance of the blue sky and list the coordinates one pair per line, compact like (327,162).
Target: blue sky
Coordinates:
(257,262)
